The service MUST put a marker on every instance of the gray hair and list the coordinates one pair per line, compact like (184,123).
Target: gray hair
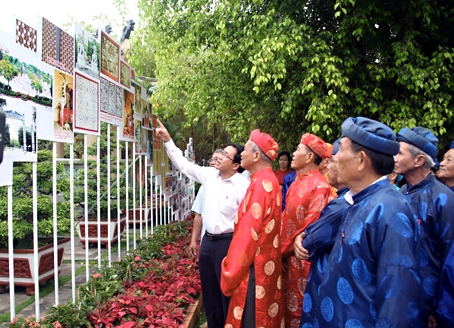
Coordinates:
(415,151)
(256,148)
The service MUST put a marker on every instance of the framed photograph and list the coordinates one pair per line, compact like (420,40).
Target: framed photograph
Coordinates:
(125,74)
(110,57)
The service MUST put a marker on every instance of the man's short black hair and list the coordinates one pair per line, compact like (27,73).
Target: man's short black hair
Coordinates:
(237,157)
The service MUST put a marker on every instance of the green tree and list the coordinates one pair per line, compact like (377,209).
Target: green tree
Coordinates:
(288,67)
(14,143)
(36,84)
(7,70)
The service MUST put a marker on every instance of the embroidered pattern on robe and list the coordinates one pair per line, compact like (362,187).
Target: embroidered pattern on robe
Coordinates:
(256,241)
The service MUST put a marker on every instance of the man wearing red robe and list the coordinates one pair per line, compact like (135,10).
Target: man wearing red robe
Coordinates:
(252,270)
(306,198)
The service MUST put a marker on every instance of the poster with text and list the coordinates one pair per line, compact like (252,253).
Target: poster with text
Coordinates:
(87,48)
(128,116)
(110,57)
(55,46)
(111,103)
(86,105)
(25,84)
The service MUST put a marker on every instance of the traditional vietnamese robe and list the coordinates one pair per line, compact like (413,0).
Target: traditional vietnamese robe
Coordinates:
(319,241)
(306,198)
(433,202)
(371,277)
(256,241)
(321,234)
(445,312)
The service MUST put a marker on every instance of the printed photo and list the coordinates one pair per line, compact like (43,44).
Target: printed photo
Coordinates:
(26,35)
(128,116)
(86,113)
(63,118)
(111,104)
(125,74)
(110,57)
(25,89)
(87,52)
(57,46)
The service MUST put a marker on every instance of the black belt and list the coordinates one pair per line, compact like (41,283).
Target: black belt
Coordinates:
(221,236)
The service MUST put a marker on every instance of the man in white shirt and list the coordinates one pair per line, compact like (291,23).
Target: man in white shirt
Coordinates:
(225,188)
(198,206)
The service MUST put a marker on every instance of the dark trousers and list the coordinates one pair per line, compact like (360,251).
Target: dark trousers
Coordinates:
(215,303)
(249,307)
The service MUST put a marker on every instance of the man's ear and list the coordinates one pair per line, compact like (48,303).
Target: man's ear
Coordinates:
(362,160)
(236,166)
(420,160)
(257,156)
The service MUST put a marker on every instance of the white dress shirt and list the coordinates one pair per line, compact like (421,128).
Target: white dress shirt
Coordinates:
(222,197)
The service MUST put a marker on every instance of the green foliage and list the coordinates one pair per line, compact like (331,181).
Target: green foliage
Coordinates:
(291,67)
(7,70)
(23,201)
(110,281)
(92,179)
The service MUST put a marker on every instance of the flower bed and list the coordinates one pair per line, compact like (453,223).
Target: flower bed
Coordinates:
(150,288)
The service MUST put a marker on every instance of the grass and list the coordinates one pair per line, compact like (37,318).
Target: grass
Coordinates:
(6,317)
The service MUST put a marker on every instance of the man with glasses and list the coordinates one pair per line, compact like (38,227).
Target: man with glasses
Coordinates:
(225,188)
(198,207)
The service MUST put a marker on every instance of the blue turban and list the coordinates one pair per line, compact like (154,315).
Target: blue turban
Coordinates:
(335,147)
(371,134)
(452,145)
(421,138)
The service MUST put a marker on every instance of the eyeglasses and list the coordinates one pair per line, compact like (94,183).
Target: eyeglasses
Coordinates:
(214,159)
(226,155)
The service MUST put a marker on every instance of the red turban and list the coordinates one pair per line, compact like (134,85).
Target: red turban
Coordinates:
(316,144)
(266,144)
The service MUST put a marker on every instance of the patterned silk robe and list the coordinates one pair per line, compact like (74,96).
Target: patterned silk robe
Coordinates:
(433,203)
(371,278)
(256,241)
(306,198)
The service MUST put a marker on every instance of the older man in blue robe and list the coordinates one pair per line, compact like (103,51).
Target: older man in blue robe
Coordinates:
(432,201)
(369,278)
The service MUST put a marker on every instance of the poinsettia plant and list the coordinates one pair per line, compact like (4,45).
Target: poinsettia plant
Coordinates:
(148,288)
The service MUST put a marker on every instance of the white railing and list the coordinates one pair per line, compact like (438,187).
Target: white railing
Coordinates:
(156,206)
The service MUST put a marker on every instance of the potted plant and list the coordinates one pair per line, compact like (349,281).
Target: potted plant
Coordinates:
(108,230)
(23,223)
